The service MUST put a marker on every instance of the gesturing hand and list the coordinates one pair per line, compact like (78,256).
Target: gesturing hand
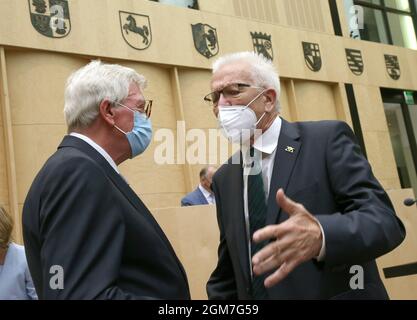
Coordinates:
(295,241)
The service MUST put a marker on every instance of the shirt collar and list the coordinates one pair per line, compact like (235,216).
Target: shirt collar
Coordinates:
(204,191)
(268,141)
(98,148)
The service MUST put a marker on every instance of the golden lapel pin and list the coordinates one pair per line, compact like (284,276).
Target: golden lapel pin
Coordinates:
(289,149)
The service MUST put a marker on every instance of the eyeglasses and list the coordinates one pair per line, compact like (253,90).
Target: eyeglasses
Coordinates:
(232,91)
(146,109)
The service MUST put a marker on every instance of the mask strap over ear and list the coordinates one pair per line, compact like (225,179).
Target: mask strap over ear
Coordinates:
(247,106)
(120,129)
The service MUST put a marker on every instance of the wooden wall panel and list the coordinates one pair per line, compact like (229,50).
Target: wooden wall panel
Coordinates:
(315,101)
(195,84)
(36,85)
(3,173)
(194,234)
(376,135)
(286,111)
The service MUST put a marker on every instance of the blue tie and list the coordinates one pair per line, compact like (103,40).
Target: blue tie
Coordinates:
(257,218)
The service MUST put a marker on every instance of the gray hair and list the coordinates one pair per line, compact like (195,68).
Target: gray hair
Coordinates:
(6,228)
(87,87)
(263,71)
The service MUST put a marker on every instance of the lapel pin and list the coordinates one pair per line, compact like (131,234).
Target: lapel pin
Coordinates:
(289,149)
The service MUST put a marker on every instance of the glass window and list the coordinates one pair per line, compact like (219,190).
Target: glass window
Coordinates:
(373,26)
(402,5)
(385,21)
(401,146)
(372,1)
(402,30)
(180,3)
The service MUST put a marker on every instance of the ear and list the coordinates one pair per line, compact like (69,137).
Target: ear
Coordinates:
(216,111)
(106,112)
(269,98)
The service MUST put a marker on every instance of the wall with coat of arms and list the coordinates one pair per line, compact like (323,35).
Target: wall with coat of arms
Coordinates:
(43,41)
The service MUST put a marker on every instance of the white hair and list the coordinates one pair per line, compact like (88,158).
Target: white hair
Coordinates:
(263,72)
(87,87)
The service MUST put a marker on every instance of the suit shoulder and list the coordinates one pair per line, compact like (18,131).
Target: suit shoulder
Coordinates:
(70,160)
(65,166)
(322,124)
(323,127)
(188,195)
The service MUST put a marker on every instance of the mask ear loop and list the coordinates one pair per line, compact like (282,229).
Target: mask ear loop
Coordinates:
(260,93)
(122,105)
(247,106)
(119,129)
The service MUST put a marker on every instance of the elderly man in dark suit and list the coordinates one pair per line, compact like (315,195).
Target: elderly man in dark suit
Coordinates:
(203,194)
(298,207)
(87,234)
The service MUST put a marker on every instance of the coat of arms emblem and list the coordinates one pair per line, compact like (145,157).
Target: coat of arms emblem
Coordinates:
(312,56)
(136,29)
(262,44)
(50,18)
(205,39)
(355,61)
(393,66)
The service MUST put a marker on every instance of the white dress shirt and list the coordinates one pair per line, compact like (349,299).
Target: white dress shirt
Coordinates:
(266,144)
(208,195)
(98,148)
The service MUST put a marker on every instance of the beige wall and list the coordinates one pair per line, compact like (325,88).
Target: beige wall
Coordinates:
(178,75)
(172,43)
(194,234)
(313,15)
(315,101)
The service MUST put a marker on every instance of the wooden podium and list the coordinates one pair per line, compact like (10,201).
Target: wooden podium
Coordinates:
(194,234)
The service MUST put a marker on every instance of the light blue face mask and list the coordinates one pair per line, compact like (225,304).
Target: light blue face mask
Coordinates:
(140,136)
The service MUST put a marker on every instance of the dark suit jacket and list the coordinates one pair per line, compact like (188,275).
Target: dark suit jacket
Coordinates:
(328,174)
(194,198)
(81,215)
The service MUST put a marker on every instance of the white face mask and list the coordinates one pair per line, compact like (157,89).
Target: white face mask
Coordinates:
(237,123)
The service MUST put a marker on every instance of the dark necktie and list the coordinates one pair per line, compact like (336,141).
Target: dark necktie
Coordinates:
(257,217)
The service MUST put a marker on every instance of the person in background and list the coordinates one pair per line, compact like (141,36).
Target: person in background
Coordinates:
(15,280)
(202,194)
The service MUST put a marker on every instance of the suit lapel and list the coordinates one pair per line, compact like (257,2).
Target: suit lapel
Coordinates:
(285,158)
(122,185)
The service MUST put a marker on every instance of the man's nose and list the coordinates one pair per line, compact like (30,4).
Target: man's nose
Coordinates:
(223,101)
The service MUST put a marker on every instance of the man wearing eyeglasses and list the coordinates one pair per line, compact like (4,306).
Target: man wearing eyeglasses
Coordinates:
(298,206)
(87,234)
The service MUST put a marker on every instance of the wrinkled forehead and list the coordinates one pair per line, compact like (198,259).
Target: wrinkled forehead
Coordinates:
(231,73)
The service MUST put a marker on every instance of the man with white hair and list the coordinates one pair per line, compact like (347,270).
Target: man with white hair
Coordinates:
(304,207)
(87,234)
